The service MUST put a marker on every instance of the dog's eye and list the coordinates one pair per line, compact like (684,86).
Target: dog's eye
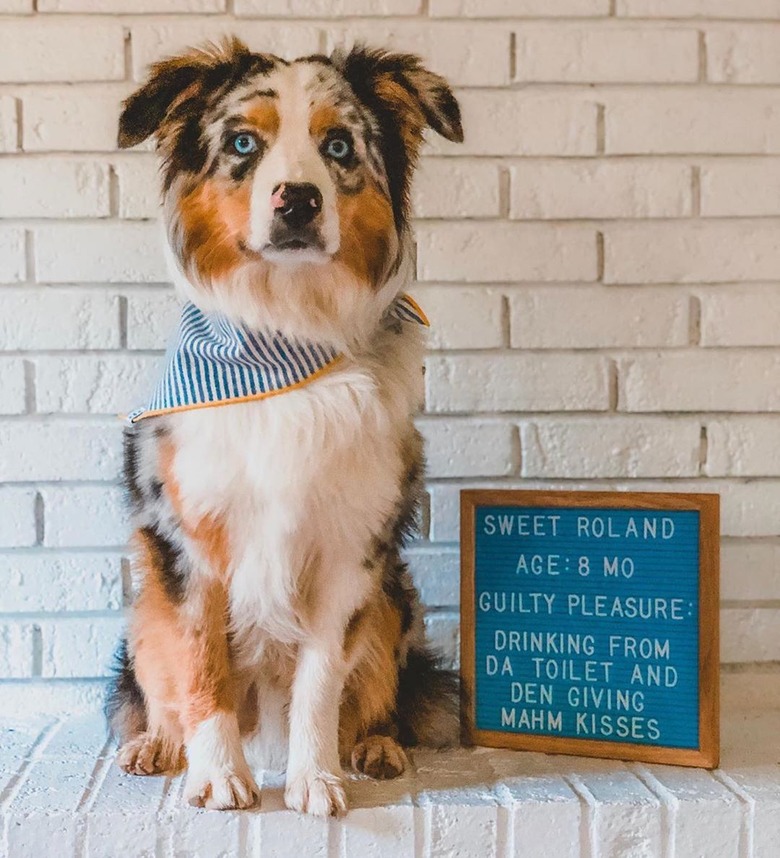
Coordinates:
(338,148)
(245,144)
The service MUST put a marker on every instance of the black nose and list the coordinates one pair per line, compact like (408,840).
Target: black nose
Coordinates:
(297,203)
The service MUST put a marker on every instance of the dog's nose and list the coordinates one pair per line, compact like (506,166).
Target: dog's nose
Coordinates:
(296,203)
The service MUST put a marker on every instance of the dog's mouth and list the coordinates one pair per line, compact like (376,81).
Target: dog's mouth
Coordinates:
(288,250)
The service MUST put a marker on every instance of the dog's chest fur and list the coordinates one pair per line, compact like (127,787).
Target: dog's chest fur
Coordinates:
(302,483)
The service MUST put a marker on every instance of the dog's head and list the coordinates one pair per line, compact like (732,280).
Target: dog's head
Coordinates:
(286,184)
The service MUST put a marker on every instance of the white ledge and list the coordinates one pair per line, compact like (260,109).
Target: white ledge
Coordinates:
(61,795)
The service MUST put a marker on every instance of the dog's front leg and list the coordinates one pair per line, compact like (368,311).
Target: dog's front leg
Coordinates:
(218,776)
(314,777)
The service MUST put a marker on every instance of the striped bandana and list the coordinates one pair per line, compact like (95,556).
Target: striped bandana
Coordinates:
(214,362)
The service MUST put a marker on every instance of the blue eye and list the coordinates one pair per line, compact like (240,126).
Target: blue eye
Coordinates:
(338,148)
(245,144)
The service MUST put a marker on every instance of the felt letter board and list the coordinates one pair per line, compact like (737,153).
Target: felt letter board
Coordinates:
(589,623)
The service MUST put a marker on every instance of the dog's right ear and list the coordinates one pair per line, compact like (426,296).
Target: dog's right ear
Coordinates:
(170,83)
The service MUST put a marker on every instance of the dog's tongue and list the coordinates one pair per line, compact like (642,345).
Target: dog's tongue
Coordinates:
(277,200)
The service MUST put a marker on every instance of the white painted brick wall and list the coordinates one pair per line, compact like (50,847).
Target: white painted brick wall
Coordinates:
(600,261)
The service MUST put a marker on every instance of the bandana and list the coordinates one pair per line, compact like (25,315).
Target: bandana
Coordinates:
(215,362)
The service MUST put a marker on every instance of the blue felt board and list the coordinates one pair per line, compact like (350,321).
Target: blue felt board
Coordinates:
(612,655)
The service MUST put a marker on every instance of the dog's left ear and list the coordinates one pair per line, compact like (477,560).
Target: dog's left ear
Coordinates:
(401,84)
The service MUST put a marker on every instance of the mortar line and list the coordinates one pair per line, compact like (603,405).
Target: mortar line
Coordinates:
(669,804)
(748,815)
(588,809)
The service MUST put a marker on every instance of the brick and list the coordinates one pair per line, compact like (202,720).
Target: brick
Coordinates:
(436,574)
(42,319)
(544,812)
(743,55)
(108,834)
(707,816)
(625,317)
(743,447)
(699,8)
(16,7)
(37,50)
(152,41)
(76,517)
(449,188)
(71,119)
(502,382)
(100,253)
(470,318)
(606,55)
(750,570)
(740,188)
(511,122)
(683,381)
(58,581)
(627,816)
(13,385)
(59,450)
(468,449)
(759,784)
(94,385)
(442,630)
(740,316)
(9,129)
(462,822)
(506,252)
(703,252)
(17,517)
(53,189)
(13,267)
(139,187)
(464,55)
(692,121)
(18,699)
(518,8)
(581,448)
(599,189)
(750,634)
(16,649)
(79,647)
(133,7)
(151,318)
(325,8)
(47,802)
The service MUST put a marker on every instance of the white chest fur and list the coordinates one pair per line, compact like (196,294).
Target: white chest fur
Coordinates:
(301,482)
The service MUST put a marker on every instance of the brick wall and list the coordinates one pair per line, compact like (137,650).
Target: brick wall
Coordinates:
(599,259)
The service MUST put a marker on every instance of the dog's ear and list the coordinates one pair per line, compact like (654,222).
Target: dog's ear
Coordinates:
(400,83)
(170,83)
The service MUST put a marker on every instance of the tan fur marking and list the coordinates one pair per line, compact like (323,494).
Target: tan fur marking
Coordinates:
(214,217)
(323,119)
(367,232)
(264,116)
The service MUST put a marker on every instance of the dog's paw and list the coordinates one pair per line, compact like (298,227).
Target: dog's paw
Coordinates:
(228,790)
(318,793)
(147,754)
(379,757)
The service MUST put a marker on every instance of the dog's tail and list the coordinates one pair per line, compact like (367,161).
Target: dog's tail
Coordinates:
(428,703)
(125,708)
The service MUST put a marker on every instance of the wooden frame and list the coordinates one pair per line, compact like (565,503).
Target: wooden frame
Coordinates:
(708,506)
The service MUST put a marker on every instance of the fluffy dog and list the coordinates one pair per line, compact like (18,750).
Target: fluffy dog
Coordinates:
(276,621)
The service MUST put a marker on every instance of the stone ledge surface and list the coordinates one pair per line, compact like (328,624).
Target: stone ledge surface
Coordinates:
(62,796)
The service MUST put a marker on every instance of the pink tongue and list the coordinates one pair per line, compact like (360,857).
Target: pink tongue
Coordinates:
(277,200)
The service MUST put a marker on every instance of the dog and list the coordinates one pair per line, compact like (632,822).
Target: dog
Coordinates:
(272,487)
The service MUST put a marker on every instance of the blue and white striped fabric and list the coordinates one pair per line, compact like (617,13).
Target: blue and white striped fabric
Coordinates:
(215,362)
